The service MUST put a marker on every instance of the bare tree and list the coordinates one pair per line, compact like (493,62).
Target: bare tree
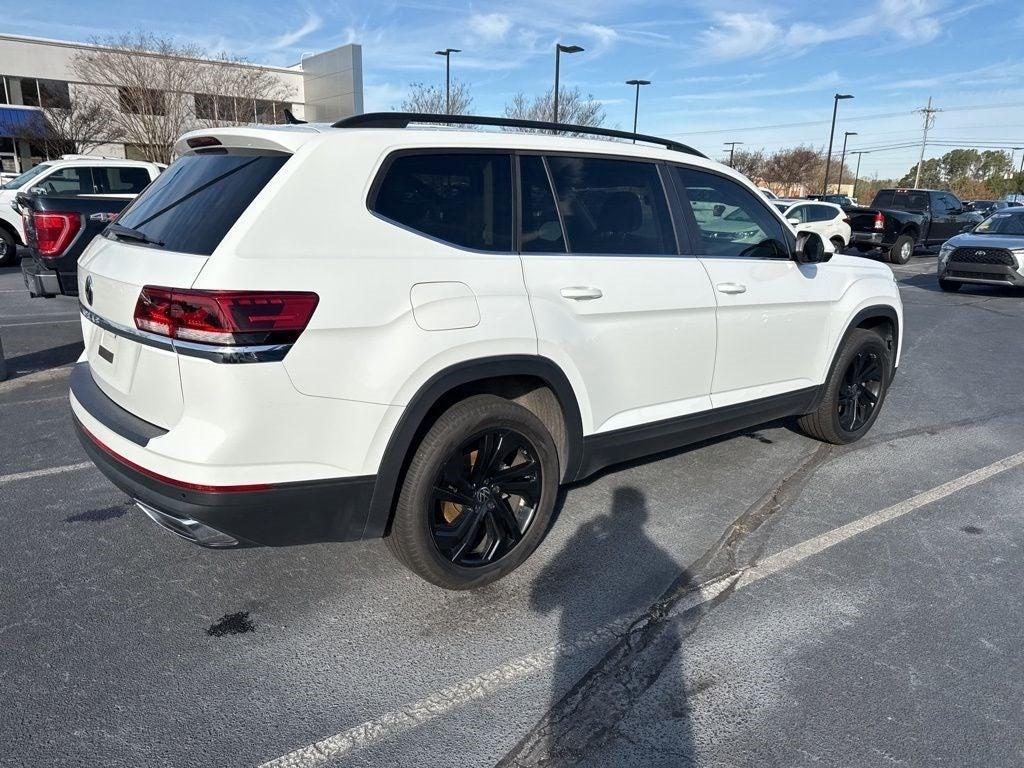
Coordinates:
(573,107)
(749,162)
(154,89)
(430,99)
(795,170)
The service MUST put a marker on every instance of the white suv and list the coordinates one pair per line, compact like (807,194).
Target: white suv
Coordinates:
(81,175)
(304,333)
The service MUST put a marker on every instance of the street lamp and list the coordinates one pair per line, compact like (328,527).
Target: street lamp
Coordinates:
(447,53)
(1015,149)
(732,149)
(636,104)
(856,175)
(831,135)
(559,50)
(842,161)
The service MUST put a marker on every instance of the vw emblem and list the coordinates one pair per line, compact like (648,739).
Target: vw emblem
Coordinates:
(88,290)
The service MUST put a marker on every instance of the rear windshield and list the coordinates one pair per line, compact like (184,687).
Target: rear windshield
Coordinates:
(191,206)
(901,200)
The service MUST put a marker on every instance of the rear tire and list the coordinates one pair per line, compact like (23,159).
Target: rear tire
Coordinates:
(902,250)
(854,392)
(8,248)
(478,495)
(950,286)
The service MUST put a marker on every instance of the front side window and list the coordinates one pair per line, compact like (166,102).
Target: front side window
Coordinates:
(612,206)
(799,213)
(730,219)
(69,181)
(542,230)
(461,198)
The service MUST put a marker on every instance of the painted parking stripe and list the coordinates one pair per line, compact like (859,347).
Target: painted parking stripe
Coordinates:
(45,472)
(442,702)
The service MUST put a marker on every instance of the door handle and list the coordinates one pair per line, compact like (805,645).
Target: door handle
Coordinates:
(581,293)
(731,288)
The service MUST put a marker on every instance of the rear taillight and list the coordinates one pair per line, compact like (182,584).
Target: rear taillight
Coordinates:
(879,221)
(225,318)
(55,231)
(846,219)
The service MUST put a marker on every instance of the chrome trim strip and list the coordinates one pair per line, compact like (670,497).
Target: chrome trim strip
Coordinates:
(256,353)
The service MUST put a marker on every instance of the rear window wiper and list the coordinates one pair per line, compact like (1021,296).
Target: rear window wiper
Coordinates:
(121,232)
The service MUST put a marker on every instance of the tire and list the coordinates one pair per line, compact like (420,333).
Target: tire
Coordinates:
(830,423)
(8,248)
(426,534)
(950,285)
(838,244)
(901,250)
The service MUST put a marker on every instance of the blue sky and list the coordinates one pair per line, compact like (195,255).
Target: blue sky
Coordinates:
(721,71)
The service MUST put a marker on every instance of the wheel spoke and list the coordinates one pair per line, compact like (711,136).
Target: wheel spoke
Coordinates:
(453,495)
(487,451)
(462,535)
(506,519)
(870,396)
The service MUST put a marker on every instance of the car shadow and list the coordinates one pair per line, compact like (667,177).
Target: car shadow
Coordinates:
(53,357)
(930,282)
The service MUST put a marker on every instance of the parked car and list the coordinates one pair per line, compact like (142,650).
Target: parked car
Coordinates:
(79,175)
(768,193)
(828,220)
(841,200)
(990,254)
(57,230)
(899,220)
(985,207)
(303,334)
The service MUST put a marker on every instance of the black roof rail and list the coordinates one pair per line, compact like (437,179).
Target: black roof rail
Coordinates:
(403,119)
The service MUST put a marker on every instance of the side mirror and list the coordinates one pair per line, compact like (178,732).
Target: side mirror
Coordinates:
(37,191)
(810,249)
(794,221)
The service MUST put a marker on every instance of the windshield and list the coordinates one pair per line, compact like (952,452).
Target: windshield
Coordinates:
(783,207)
(19,181)
(1002,224)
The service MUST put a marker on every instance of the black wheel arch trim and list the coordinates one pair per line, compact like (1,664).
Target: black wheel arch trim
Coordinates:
(396,454)
(876,311)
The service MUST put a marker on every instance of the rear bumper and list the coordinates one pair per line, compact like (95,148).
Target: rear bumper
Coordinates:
(277,514)
(867,238)
(38,280)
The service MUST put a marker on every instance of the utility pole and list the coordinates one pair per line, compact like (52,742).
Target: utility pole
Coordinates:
(842,161)
(929,121)
(856,174)
(732,150)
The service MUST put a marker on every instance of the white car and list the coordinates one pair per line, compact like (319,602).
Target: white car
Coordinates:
(302,334)
(80,175)
(768,193)
(828,220)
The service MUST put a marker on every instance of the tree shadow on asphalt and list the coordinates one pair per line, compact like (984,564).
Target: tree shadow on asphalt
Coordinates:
(584,723)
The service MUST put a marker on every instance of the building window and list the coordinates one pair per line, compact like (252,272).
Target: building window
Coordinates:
(138,152)
(142,101)
(206,106)
(54,94)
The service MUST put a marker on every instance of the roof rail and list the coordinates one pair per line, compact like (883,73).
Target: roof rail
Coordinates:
(403,119)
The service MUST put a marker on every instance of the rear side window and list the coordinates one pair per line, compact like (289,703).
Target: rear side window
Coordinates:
(192,205)
(823,213)
(542,230)
(612,206)
(120,181)
(901,199)
(462,198)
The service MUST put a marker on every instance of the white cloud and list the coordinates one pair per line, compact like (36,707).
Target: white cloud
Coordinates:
(827,81)
(737,35)
(491,27)
(604,37)
(288,39)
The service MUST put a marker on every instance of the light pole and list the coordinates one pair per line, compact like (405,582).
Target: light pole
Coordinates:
(559,50)
(856,175)
(1015,149)
(732,149)
(842,161)
(447,53)
(831,136)
(636,104)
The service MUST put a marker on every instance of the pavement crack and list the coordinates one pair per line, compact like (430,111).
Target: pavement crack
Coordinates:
(588,716)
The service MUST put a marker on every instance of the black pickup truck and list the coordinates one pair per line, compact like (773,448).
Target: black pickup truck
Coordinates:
(898,220)
(57,230)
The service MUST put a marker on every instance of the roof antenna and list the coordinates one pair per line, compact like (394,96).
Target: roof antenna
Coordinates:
(291,119)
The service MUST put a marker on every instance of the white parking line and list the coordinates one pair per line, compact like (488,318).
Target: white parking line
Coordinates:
(442,702)
(44,472)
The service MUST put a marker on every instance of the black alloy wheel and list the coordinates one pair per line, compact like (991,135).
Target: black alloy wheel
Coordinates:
(860,390)
(485,497)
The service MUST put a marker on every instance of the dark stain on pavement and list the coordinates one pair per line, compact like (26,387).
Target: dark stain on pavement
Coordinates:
(972,529)
(231,624)
(759,437)
(99,515)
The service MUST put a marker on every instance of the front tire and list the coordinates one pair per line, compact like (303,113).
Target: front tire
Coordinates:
(8,248)
(478,495)
(854,392)
(902,250)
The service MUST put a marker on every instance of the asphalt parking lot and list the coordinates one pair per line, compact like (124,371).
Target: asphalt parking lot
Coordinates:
(758,600)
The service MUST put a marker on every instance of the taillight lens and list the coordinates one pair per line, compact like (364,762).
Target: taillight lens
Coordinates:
(55,231)
(225,318)
(879,221)
(846,219)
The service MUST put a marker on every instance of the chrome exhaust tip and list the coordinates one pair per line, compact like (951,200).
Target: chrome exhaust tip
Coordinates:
(188,529)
